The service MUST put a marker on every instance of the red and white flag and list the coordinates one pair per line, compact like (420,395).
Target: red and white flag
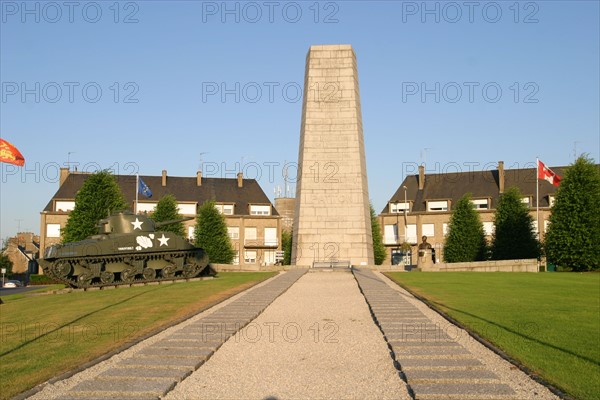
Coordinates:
(10,154)
(547,174)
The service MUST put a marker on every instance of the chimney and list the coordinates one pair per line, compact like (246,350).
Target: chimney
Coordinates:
(199,178)
(421,177)
(64,174)
(240,178)
(501,177)
(164,177)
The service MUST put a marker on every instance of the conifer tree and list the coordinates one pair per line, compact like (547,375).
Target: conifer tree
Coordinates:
(286,246)
(573,237)
(99,196)
(211,234)
(465,241)
(514,236)
(166,210)
(379,253)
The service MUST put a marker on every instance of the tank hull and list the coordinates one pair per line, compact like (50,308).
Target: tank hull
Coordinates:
(127,250)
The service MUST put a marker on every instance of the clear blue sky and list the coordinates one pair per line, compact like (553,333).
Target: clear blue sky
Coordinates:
(155,67)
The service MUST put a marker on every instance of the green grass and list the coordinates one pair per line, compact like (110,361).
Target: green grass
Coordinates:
(46,335)
(549,322)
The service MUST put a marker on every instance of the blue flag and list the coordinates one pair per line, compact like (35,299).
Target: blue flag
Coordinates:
(143,188)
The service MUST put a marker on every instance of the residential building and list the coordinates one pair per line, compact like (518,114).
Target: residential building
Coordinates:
(23,250)
(422,204)
(253,223)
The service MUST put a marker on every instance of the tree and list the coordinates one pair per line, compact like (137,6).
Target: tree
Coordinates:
(99,196)
(465,241)
(5,262)
(211,234)
(573,237)
(286,246)
(379,252)
(514,236)
(166,210)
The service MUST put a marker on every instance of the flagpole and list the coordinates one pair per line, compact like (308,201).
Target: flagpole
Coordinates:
(537,195)
(137,186)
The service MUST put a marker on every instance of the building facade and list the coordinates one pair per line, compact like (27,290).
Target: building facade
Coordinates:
(23,250)
(422,205)
(253,223)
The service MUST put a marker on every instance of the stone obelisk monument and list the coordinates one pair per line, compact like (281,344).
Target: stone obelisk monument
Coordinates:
(332,218)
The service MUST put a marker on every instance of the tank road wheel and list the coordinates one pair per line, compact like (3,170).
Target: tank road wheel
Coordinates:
(149,273)
(62,269)
(107,277)
(84,280)
(189,270)
(168,272)
(127,275)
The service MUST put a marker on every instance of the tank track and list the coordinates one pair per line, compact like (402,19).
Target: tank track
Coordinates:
(183,272)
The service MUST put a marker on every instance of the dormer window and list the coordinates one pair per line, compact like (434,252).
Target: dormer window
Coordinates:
(260,210)
(225,209)
(480,204)
(64,205)
(396,208)
(434,206)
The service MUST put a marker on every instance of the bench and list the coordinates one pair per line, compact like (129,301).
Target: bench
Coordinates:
(331,264)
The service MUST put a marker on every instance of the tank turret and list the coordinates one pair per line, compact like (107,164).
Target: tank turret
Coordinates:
(127,249)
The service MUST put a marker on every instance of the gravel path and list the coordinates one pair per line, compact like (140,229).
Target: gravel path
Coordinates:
(317,341)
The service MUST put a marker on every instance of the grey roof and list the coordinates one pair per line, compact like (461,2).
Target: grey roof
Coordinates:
(185,189)
(481,184)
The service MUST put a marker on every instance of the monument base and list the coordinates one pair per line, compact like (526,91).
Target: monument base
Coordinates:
(424,261)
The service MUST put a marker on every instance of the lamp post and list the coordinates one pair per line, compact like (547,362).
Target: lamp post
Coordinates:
(405,208)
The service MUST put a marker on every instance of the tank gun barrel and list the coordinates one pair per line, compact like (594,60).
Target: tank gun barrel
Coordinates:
(172,221)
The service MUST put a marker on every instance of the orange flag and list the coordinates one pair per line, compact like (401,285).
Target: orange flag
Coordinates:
(10,154)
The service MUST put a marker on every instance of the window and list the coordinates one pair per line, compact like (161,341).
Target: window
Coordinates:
(146,207)
(488,228)
(526,201)
(236,258)
(225,209)
(271,237)
(64,206)
(546,225)
(53,230)
(437,205)
(390,234)
(480,204)
(551,200)
(191,231)
(444,229)
(250,257)
(233,232)
(260,210)
(428,230)
(535,229)
(186,208)
(399,207)
(411,233)
(250,235)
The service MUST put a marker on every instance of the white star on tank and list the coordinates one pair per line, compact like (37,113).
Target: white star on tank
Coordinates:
(137,224)
(163,240)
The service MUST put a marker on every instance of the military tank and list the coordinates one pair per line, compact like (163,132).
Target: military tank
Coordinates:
(127,250)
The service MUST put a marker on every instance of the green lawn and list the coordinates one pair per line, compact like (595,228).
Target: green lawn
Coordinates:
(45,335)
(549,322)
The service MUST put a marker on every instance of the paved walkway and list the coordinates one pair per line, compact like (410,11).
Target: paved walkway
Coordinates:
(309,336)
(316,341)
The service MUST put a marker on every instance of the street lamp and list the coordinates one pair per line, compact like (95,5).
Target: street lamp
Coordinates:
(405,208)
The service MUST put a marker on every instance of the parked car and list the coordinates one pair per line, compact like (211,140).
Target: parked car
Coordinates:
(13,284)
